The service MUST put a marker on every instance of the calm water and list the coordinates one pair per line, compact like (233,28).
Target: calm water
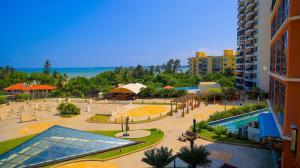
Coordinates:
(234,125)
(188,88)
(72,72)
(84,71)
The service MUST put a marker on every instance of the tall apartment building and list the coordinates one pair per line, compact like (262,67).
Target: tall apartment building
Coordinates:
(203,64)
(253,44)
(284,94)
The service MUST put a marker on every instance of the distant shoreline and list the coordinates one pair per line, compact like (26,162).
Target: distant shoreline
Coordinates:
(80,71)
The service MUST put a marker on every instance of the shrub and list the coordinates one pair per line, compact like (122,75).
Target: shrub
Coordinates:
(68,109)
(201,125)
(23,97)
(3,100)
(237,111)
(210,128)
(220,130)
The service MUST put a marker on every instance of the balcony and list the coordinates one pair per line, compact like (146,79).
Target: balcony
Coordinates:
(249,47)
(250,24)
(241,16)
(250,15)
(249,40)
(241,2)
(241,22)
(250,6)
(241,9)
(250,31)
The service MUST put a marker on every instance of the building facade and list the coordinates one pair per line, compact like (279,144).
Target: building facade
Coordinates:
(203,64)
(30,89)
(284,91)
(253,36)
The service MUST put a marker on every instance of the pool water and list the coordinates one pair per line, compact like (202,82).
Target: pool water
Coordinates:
(188,88)
(234,125)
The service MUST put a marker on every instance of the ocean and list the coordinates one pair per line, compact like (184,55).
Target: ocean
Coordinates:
(82,71)
(72,72)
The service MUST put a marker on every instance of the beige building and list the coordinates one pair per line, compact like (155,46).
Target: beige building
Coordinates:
(205,86)
(253,52)
(201,63)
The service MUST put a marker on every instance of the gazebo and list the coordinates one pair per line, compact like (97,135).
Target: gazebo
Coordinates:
(186,102)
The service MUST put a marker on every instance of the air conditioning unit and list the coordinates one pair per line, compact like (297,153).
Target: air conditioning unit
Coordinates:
(243,132)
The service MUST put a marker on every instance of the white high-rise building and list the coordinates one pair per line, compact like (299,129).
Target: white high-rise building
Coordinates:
(253,42)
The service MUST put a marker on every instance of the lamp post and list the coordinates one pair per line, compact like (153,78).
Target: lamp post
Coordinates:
(294,137)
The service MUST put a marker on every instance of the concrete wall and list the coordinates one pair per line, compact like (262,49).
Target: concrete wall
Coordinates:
(264,45)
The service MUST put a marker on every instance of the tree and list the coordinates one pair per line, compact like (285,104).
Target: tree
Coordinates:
(158,157)
(47,67)
(196,157)
(228,72)
(176,65)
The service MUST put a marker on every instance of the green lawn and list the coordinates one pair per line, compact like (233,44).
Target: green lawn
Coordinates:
(99,118)
(155,136)
(223,138)
(7,145)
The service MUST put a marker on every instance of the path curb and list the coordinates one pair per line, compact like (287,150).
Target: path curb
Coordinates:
(232,143)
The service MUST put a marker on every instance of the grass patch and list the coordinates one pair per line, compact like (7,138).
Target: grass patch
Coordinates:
(105,119)
(156,136)
(99,118)
(224,138)
(8,145)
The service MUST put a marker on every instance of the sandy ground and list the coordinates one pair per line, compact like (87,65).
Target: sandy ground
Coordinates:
(90,164)
(144,110)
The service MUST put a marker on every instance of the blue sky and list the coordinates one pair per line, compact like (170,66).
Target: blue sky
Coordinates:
(93,33)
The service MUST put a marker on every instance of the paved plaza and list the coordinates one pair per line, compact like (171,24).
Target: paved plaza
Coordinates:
(172,126)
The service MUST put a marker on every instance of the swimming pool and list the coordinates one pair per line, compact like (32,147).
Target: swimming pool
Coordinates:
(232,124)
(189,88)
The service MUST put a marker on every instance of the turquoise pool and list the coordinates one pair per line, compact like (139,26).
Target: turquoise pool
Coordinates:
(188,88)
(233,124)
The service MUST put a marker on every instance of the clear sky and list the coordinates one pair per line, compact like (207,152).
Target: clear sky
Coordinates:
(93,33)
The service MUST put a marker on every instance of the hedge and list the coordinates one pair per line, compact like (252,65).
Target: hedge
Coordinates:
(237,111)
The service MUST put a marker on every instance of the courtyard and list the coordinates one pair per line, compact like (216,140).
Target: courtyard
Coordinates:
(172,126)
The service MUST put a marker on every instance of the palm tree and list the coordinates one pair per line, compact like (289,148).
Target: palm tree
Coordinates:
(158,157)
(47,67)
(194,157)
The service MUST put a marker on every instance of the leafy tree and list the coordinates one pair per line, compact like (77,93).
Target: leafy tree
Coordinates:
(228,72)
(158,157)
(198,156)
(226,82)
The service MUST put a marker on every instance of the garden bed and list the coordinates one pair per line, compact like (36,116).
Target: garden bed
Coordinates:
(228,139)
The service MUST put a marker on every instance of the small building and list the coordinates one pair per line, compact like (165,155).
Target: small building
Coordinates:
(205,86)
(126,92)
(33,90)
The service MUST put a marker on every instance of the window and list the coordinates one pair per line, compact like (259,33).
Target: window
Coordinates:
(278,55)
(280,17)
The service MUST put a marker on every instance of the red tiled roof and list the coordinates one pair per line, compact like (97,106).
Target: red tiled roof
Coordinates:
(168,87)
(24,87)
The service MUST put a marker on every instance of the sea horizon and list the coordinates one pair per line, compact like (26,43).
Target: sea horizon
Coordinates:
(80,71)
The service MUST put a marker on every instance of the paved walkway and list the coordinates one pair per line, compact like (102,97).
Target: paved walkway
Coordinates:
(173,127)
